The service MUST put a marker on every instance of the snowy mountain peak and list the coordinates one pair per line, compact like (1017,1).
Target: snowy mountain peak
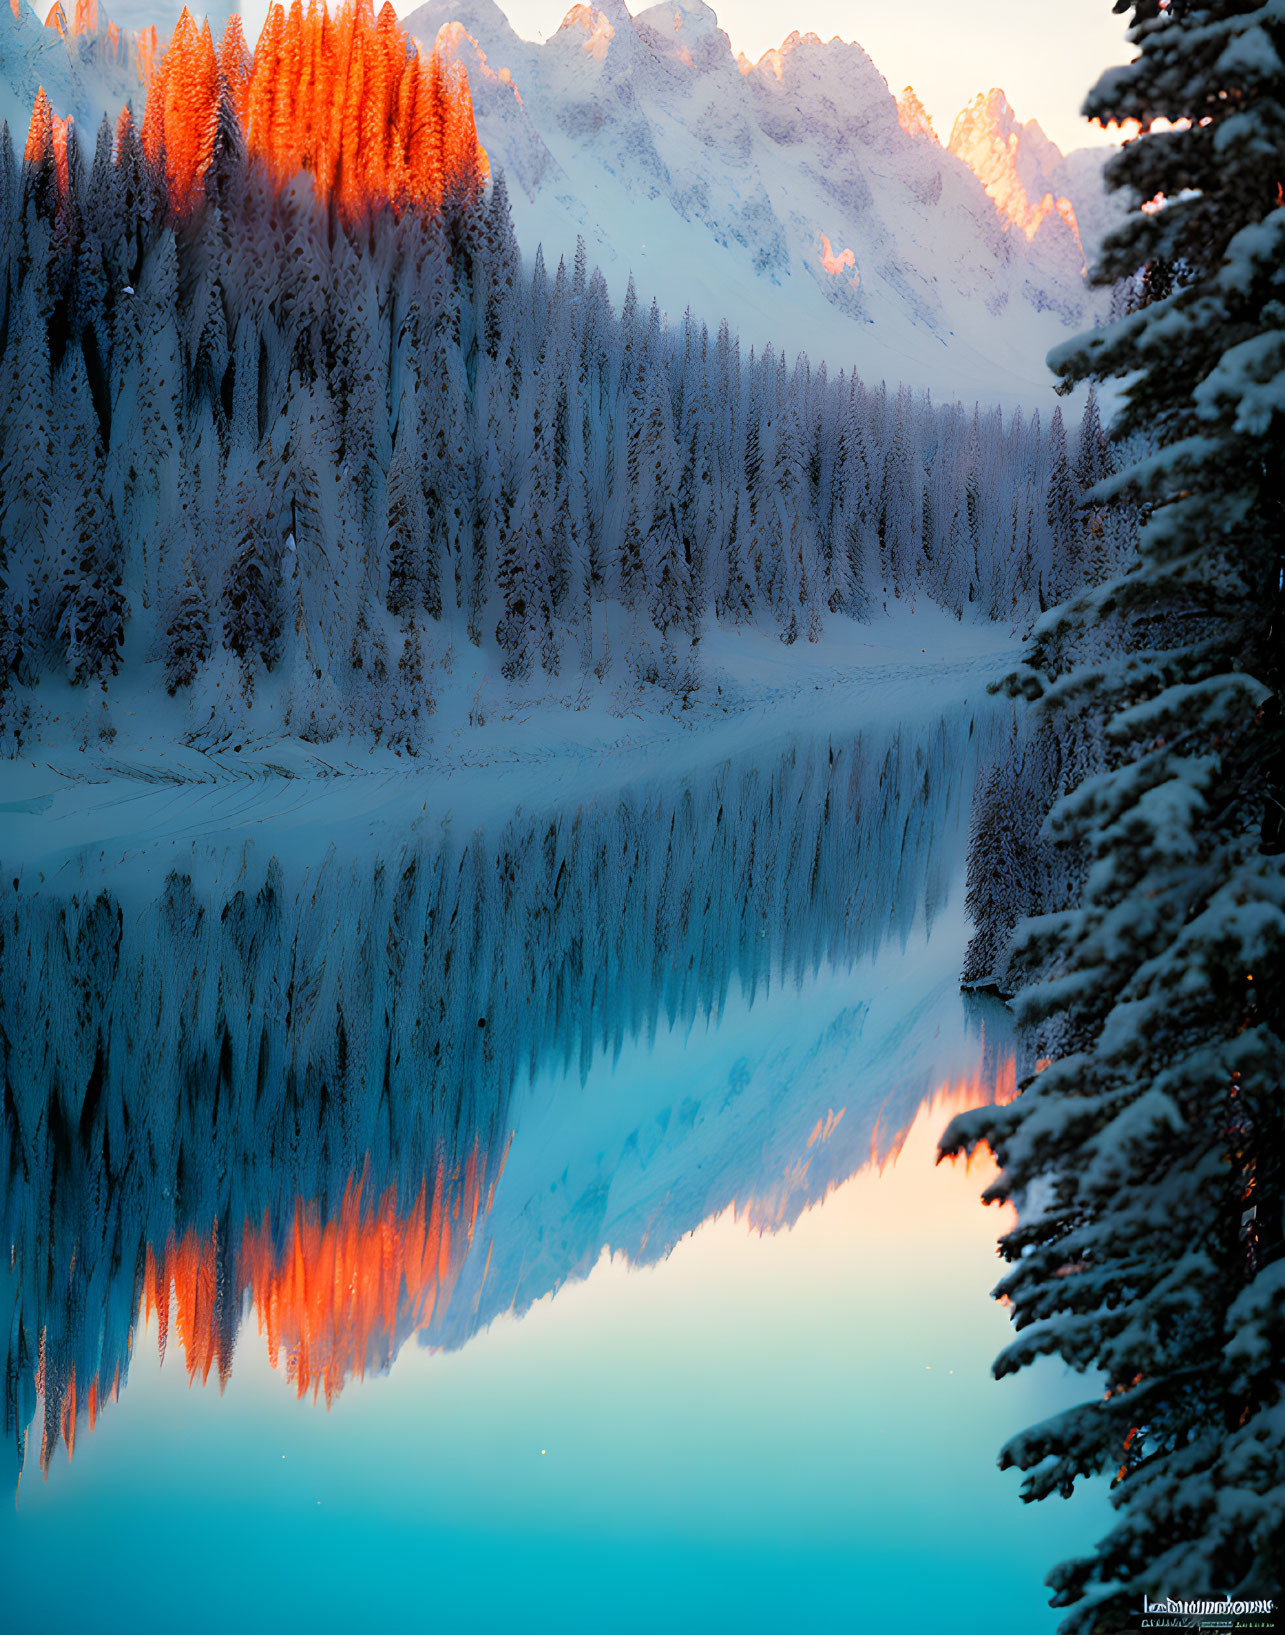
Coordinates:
(688,32)
(836,79)
(455,43)
(596,24)
(481,20)
(1014,162)
(694,21)
(602,33)
(785,194)
(991,108)
(913,116)
(601,22)
(801,49)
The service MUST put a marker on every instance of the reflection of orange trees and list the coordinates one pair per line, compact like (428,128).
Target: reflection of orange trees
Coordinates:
(332,1299)
(346,98)
(343,1295)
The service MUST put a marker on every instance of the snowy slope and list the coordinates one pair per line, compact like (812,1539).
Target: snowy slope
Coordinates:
(149,795)
(784,195)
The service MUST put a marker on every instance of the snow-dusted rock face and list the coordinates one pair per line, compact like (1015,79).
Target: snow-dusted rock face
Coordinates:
(914,117)
(1056,199)
(1015,163)
(793,196)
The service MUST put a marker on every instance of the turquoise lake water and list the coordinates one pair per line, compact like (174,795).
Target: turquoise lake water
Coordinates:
(542,1224)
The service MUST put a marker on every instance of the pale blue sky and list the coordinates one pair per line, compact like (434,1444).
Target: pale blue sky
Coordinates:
(1044,53)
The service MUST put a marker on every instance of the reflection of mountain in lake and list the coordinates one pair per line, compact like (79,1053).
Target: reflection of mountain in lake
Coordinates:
(296,1084)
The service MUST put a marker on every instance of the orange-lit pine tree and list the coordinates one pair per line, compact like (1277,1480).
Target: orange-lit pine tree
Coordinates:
(182,112)
(344,97)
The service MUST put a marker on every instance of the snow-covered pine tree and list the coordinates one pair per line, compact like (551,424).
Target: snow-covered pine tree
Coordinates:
(91,602)
(93,621)
(666,586)
(696,481)
(404,548)
(578,545)
(1060,505)
(994,516)
(1154,1138)
(855,534)
(160,390)
(412,699)
(899,528)
(794,583)
(253,618)
(513,578)
(188,641)
(493,499)
(1092,464)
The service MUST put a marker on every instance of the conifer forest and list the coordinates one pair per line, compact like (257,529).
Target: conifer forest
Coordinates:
(316,437)
(558,844)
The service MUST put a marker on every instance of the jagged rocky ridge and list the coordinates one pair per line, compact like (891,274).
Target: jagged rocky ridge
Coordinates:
(785,194)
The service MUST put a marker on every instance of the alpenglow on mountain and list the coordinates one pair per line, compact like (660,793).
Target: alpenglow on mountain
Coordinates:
(796,197)
(784,194)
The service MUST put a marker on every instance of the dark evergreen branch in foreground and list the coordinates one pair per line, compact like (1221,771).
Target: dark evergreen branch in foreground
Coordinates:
(259,440)
(1146,1157)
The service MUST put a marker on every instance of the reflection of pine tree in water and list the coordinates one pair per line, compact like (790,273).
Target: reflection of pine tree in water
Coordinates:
(219,1060)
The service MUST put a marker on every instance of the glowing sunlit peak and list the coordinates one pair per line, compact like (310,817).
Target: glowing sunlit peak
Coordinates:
(449,45)
(596,24)
(913,117)
(990,141)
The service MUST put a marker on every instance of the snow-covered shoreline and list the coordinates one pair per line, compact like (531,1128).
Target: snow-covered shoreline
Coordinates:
(491,751)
